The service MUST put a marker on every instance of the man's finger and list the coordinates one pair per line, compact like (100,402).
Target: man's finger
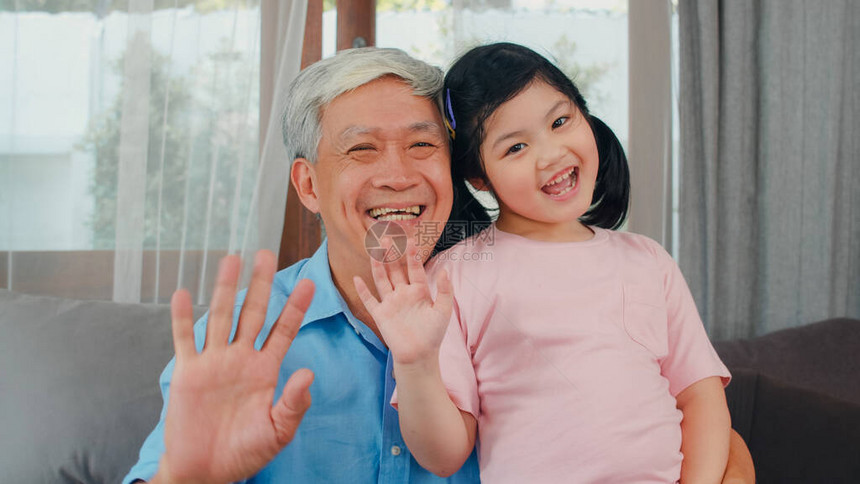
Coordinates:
(291,407)
(285,329)
(257,299)
(223,299)
(182,323)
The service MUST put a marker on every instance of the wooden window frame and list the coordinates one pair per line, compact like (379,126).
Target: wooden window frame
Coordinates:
(301,235)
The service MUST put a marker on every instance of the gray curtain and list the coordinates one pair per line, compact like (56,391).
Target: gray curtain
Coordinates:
(770,162)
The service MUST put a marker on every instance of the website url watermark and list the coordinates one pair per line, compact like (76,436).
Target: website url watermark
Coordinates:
(482,256)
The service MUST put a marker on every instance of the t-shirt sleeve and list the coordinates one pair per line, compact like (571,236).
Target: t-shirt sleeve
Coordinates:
(691,357)
(455,365)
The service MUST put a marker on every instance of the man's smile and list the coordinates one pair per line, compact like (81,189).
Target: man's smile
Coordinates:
(391,213)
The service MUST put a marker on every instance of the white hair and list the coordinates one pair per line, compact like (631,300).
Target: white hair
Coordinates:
(320,83)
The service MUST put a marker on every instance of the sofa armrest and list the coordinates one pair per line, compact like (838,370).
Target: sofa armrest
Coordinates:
(794,434)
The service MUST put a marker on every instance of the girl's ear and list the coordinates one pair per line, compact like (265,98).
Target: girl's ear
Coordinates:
(479,184)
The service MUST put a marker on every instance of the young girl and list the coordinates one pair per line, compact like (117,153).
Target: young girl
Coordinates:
(574,352)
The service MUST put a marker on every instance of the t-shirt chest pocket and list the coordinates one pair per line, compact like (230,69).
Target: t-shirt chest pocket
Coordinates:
(645,318)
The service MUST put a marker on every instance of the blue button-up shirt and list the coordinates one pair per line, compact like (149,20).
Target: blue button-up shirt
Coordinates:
(350,434)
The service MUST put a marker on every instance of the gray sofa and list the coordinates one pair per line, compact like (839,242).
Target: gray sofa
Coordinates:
(78,392)
(78,386)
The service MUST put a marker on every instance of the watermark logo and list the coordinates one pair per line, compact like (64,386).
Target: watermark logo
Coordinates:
(376,248)
(426,235)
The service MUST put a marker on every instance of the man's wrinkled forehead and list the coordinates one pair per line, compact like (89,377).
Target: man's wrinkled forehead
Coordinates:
(431,126)
(357,131)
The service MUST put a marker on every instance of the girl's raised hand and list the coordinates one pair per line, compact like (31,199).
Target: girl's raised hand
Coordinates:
(411,322)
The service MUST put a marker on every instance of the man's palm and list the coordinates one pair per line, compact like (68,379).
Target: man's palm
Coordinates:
(221,425)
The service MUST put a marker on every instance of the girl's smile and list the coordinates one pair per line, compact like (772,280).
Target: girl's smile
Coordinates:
(563,184)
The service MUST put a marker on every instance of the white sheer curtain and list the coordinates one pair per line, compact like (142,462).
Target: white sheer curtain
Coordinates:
(130,157)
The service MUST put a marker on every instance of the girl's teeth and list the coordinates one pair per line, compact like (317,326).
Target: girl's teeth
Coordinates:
(560,179)
(571,184)
(565,191)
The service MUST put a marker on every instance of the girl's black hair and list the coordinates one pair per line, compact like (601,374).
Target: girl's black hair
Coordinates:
(476,85)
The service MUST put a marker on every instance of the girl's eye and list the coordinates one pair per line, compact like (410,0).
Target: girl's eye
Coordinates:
(560,121)
(515,148)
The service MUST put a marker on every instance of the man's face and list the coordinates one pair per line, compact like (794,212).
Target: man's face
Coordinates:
(383,156)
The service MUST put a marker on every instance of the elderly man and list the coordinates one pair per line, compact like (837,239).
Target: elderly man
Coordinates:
(368,144)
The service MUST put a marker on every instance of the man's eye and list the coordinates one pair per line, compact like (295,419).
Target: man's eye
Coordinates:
(560,121)
(360,148)
(515,148)
(422,144)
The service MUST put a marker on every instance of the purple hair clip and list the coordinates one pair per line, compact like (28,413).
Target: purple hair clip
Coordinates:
(452,124)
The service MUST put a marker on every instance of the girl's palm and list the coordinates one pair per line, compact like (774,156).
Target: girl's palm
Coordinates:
(412,323)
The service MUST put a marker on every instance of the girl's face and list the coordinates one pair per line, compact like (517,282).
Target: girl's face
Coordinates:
(541,159)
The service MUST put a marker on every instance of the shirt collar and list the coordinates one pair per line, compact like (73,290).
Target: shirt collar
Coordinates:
(327,300)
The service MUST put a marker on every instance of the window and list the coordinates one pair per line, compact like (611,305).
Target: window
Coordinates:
(126,128)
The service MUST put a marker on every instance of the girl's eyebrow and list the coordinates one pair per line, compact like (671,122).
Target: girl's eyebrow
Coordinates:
(506,136)
(555,107)
(549,114)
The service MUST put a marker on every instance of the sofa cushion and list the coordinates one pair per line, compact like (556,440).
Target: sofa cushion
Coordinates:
(78,386)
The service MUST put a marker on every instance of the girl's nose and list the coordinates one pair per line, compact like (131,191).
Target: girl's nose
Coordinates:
(550,154)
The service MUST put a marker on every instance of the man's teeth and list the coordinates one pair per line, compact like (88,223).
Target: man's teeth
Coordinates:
(560,179)
(391,214)
(392,218)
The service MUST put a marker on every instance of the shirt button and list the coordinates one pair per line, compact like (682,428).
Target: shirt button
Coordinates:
(356,330)
(395,450)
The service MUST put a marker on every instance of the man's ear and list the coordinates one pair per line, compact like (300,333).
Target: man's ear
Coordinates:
(479,184)
(303,178)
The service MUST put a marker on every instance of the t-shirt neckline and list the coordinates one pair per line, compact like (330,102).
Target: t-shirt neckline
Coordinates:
(600,235)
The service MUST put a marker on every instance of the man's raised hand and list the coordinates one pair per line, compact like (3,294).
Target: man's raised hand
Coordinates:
(221,425)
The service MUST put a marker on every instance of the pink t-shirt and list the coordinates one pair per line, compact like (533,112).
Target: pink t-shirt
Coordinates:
(570,355)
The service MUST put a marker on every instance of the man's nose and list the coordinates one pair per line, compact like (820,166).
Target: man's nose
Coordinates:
(396,171)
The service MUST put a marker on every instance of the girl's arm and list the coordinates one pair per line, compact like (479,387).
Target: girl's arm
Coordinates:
(439,435)
(740,469)
(413,325)
(705,431)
